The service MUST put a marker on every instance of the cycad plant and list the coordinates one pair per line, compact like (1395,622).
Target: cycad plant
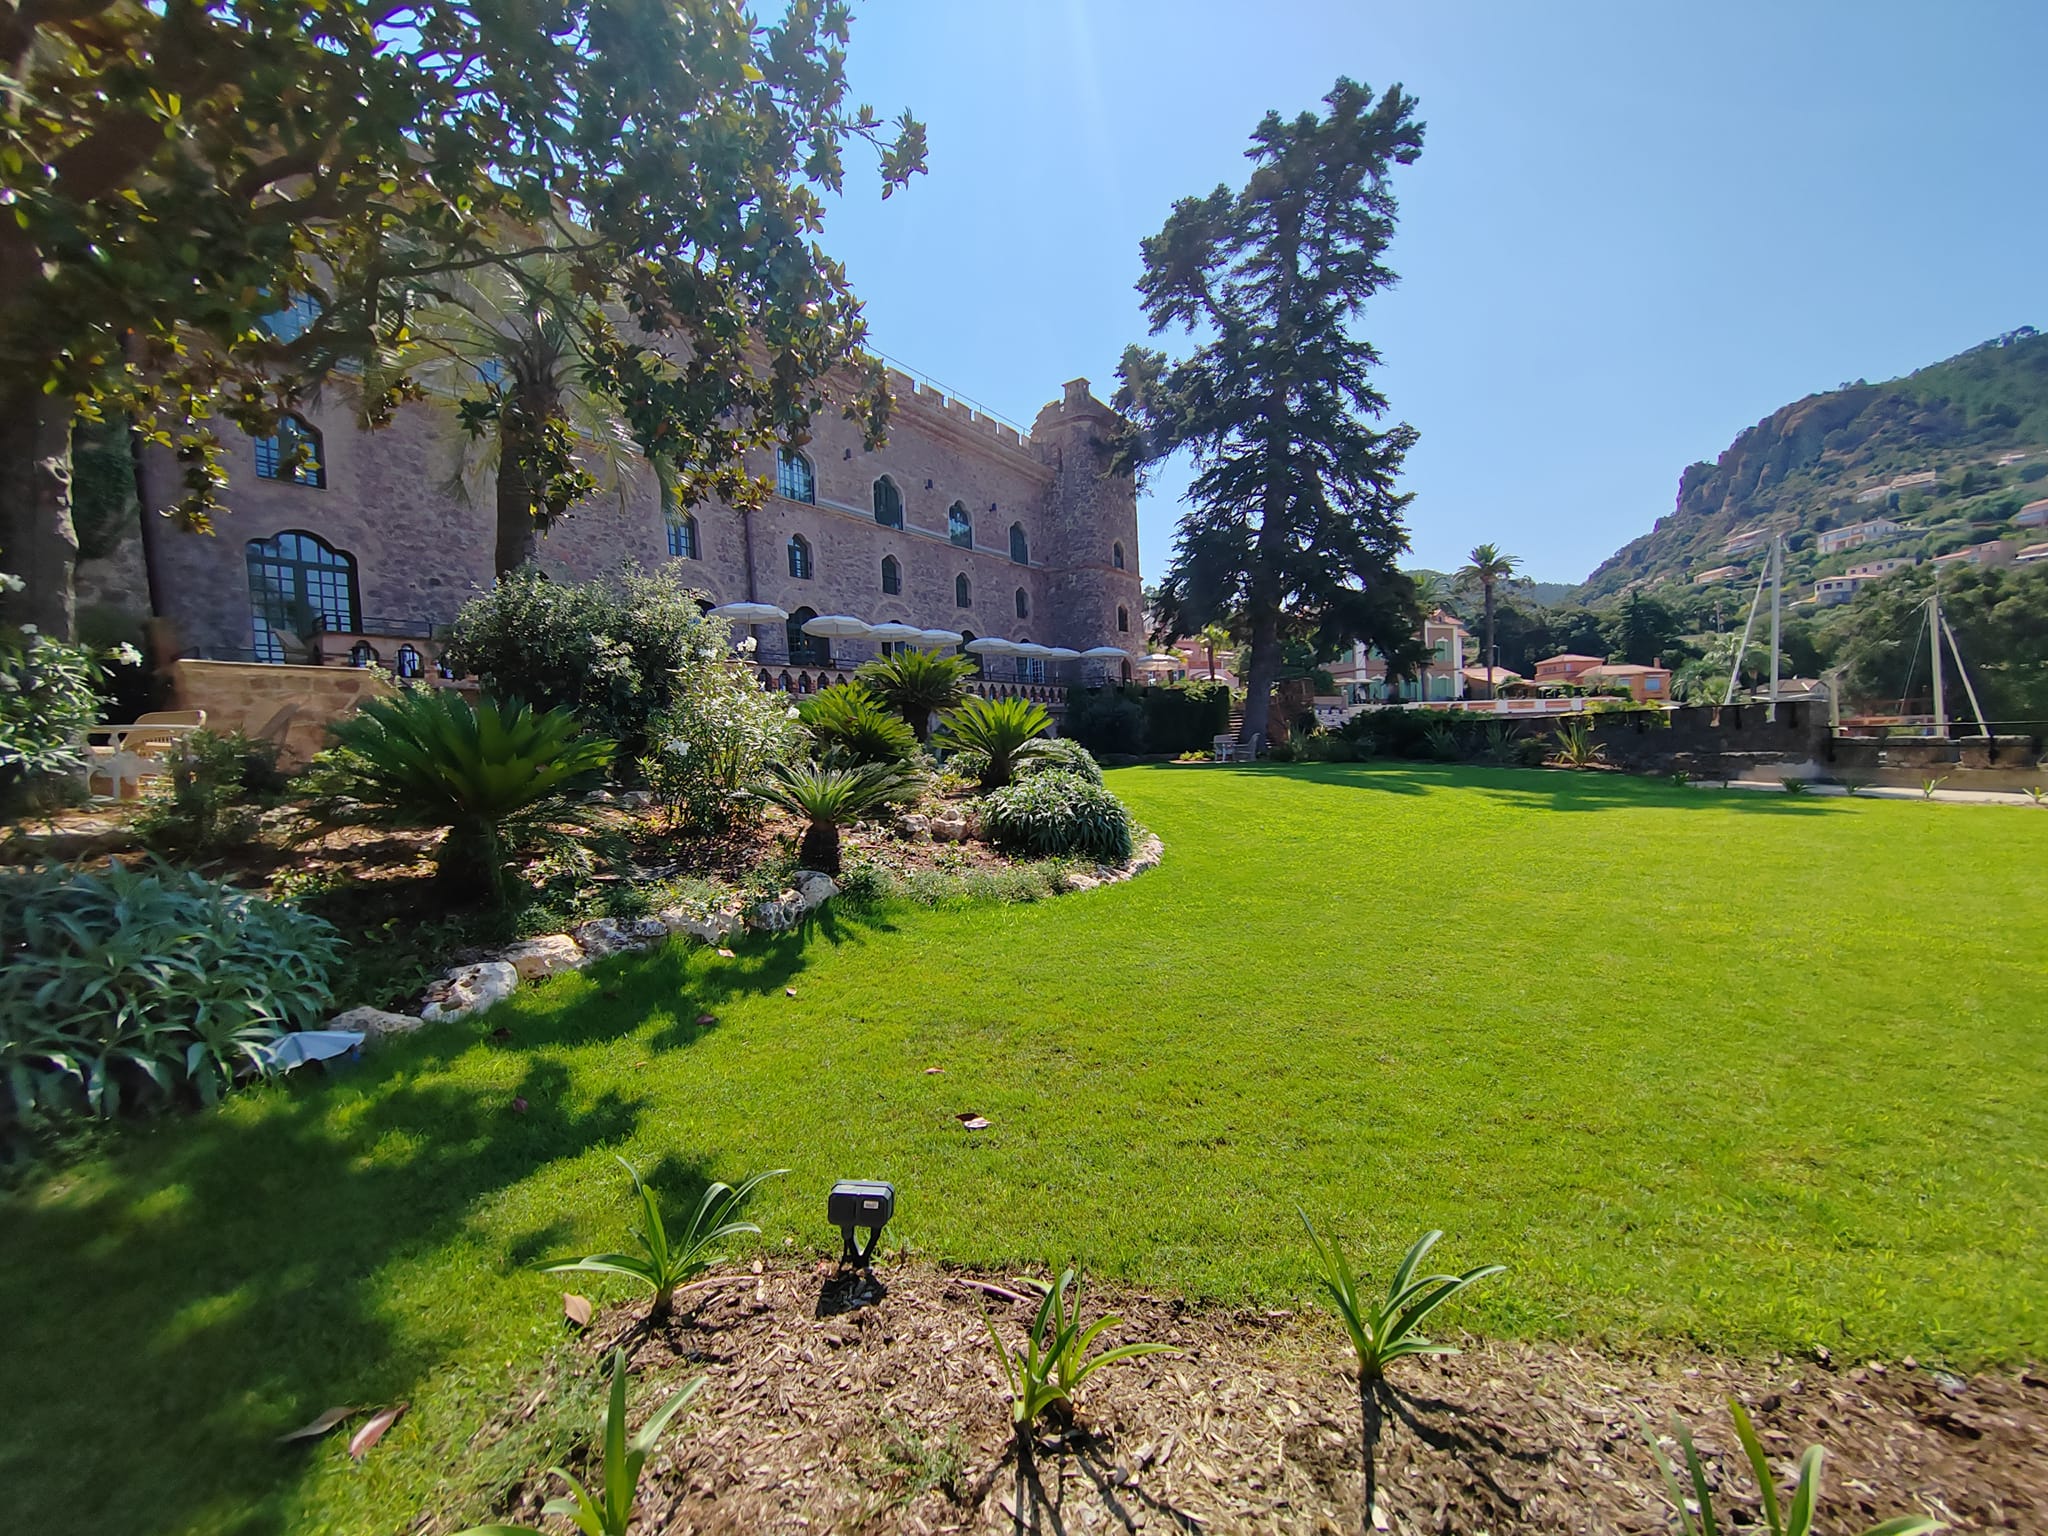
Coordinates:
(1004,732)
(1054,1362)
(1794,1517)
(609,1511)
(850,726)
(829,796)
(664,1263)
(498,776)
(1384,1330)
(1575,745)
(917,685)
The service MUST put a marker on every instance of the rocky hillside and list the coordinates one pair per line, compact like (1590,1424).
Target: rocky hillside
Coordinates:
(1951,452)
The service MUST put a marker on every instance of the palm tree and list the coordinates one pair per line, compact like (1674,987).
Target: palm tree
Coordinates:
(829,797)
(1214,638)
(917,684)
(511,346)
(1487,567)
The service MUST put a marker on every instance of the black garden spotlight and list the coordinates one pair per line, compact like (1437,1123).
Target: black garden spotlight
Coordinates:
(860,1204)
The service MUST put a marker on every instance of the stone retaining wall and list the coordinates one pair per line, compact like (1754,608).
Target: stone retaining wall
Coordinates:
(290,705)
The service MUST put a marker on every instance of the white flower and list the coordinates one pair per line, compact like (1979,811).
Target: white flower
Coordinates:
(29,629)
(750,644)
(795,713)
(675,746)
(9,582)
(708,653)
(127,655)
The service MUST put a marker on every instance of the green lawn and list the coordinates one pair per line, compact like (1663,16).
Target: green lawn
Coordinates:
(1753,1070)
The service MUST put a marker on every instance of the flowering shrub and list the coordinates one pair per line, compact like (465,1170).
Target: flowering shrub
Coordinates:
(1055,814)
(47,702)
(718,735)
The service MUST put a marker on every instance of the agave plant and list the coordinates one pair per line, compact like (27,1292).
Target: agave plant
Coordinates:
(1054,1362)
(1794,1517)
(828,796)
(2037,794)
(1575,745)
(1929,786)
(498,776)
(664,1263)
(609,1511)
(1440,741)
(1383,1331)
(917,685)
(1005,732)
(849,725)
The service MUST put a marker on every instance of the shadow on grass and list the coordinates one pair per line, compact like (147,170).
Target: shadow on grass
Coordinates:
(1557,789)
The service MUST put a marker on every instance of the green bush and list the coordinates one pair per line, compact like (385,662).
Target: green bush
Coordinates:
(48,700)
(720,733)
(850,725)
(1126,718)
(200,806)
(131,988)
(617,651)
(1058,814)
(499,777)
(1106,720)
(1005,733)
(1063,754)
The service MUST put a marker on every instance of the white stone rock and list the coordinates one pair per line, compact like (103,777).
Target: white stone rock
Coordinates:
(705,927)
(642,931)
(814,889)
(913,826)
(468,989)
(603,936)
(544,956)
(778,915)
(638,799)
(374,1023)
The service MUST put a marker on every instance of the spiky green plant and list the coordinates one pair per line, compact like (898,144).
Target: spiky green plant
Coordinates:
(1929,786)
(1854,787)
(1795,786)
(665,1263)
(1575,745)
(917,684)
(2037,794)
(609,1511)
(1005,732)
(1384,1331)
(849,725)
(497,775)
(1053,1363)
(1440,741)
(1794,1517)
(828,796)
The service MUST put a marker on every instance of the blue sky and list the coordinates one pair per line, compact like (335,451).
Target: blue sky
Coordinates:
(1634,230)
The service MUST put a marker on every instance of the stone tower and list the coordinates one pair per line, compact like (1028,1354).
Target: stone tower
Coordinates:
(1091,523)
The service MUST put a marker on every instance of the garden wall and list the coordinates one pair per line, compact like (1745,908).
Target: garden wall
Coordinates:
(290,705)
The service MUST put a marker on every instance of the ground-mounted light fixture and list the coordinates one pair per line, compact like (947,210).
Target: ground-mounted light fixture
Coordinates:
(857,1205)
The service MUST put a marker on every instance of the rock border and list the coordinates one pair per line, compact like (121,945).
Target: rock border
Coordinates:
(468,989)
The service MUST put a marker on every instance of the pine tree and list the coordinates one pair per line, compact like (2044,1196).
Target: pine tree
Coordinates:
(1294,522)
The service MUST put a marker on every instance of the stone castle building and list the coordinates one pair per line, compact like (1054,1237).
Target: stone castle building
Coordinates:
(958,522)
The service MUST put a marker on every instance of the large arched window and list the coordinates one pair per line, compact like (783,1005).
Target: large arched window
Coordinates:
(1116,554)
(299,586)
(888,503)
(1020,547)
(1023,604)
(967,639)
(293,454)
(1123,621)
(807,650)
(959,526)
(682,538)
(963,591)
(892,576)
(799,557)
(793,478)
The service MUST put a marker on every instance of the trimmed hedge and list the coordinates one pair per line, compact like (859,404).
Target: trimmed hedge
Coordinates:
(1126,718)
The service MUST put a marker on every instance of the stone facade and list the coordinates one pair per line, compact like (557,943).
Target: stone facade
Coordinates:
(420,550)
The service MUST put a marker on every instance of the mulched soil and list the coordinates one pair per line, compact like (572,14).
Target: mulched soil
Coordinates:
(824,1415)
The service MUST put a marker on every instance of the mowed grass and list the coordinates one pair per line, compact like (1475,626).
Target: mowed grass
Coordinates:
(1754,1071)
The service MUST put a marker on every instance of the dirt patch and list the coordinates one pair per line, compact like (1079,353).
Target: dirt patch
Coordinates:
(891,1417)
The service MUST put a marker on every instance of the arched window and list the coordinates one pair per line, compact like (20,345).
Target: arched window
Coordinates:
(1127,671)
(1123,621)
(888,503)
(1020,547)
(1116,554)
(299,586)
(682,538)
(963,592)
(807,650)
(292,455)
(800,558)
(892,575)
(793,478)
(362,654)
(959,526)
(408,663)
(967,639)
(1023,604)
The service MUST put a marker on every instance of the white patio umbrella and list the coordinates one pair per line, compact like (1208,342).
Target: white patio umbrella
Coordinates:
(838,626)
(1062,653)
(1105,653)
(939,637)
(1162,659)
(750,613)
(1033,648)
(894,631)
(992,645)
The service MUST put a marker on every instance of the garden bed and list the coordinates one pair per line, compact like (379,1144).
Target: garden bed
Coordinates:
(892,1417)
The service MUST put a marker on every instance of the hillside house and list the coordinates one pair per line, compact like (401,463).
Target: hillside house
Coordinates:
(1856,535)
(2033,515)
(1718,573)
(1990,552)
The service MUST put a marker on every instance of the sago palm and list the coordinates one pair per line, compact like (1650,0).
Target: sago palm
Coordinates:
(498,776)
(917,684)
(851,726)
(828,797)
(1485,569)
(1005,733)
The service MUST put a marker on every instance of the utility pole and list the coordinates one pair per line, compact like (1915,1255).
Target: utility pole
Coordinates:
(1934,650)
(1777,602)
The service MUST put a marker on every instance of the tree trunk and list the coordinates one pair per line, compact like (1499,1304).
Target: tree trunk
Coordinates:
(820,848)
(518,541)
(1486,661)
(37,540)
(1258,683)
(1369,1408)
